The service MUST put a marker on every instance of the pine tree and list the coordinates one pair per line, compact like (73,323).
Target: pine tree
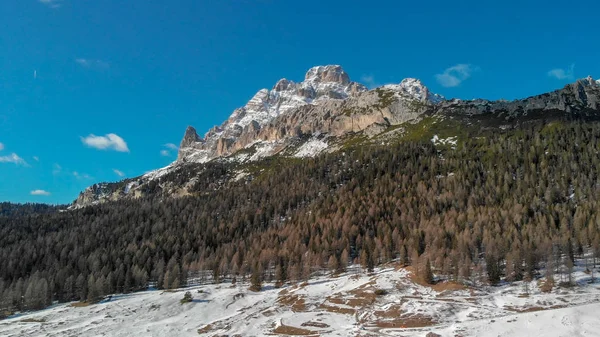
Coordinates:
(92,295)
(427,276)
(256,278)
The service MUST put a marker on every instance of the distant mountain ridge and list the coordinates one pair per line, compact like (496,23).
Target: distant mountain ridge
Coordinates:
(307,118)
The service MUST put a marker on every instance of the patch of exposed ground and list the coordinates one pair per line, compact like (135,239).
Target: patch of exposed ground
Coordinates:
(296,302)
(292,331)
(415,321)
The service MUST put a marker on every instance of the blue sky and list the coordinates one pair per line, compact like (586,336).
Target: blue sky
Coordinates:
(74,71)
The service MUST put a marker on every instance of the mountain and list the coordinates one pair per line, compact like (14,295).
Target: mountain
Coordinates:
(324,112)
(321,104)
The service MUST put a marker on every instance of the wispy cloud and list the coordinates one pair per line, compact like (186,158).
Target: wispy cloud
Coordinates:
(81,175)
(13,158)
(57,169)
(92,63)
(1,146)
(369,81)
(455,75)
(110,141)
(52,3)
(563,74)
(171,146)
(119,173)
(36,158)
(40,192)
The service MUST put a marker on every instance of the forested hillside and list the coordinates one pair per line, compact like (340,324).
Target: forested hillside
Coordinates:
(499,205)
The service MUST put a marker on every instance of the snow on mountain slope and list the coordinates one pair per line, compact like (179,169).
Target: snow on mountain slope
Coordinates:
(414,88)
(311,148)
(346,305)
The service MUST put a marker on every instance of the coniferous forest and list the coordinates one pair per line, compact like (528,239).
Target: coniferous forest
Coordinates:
(504,205)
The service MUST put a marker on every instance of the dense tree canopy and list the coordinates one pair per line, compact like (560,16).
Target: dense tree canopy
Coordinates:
(501,205)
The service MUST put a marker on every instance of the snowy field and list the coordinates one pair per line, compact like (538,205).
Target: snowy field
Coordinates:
(346,305)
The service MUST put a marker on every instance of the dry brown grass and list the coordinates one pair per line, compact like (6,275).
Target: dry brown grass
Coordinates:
(533,309)
(208,328)
(416,321)
(292,331)
(394,311)
(527,309)
(337,310)
(336,300)
(360,297)
(80,304)
(441,287)
(296,302)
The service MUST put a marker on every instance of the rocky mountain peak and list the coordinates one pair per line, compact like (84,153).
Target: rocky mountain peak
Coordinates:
(190,137)
(283,85)
(292,108)
(326,74)
(412,87)
(589,81)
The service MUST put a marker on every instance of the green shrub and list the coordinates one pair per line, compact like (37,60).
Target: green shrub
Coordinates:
(187,298)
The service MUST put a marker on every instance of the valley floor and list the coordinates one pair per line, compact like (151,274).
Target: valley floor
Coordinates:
(346,305)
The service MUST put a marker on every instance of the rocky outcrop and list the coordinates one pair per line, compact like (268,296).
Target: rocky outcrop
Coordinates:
(326,102)
(578,99)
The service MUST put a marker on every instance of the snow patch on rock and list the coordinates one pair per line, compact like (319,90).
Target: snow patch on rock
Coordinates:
(311,148)
(414,88)
(452,141)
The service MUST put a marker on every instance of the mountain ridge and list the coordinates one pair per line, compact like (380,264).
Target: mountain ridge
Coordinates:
(307,118)
(323,86)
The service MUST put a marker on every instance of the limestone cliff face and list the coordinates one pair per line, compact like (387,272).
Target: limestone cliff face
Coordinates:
(326,102)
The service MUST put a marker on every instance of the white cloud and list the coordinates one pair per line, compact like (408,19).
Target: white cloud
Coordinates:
(455,75)
(81,176)
(110,141)
(1,146)
(39,192)
(36,158)
(171,146)
(119,173)
(563,74)
(52,3)
(92,63)
(369,81)
(13,158)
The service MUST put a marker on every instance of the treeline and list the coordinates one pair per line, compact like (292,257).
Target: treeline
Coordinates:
(503,205)
(19,210)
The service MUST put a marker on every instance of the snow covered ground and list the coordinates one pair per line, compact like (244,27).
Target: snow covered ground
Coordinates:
(345,305)
(311,148)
